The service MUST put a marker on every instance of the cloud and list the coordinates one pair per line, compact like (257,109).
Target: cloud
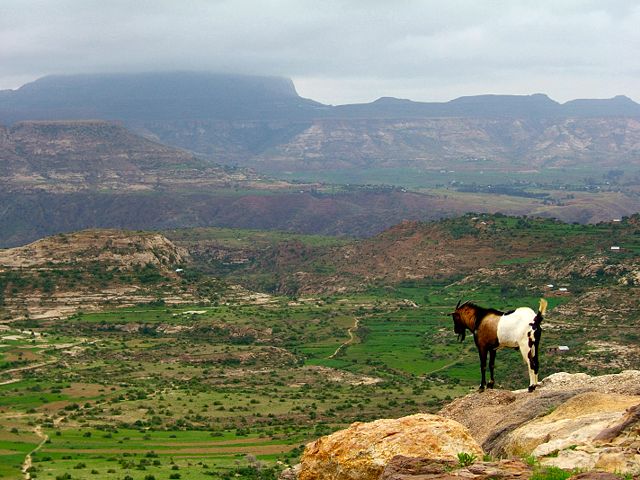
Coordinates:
(338,51)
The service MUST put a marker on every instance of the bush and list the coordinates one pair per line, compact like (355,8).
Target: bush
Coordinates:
(465,459)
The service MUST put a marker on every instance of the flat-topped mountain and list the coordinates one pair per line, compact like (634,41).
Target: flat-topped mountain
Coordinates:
(152,97)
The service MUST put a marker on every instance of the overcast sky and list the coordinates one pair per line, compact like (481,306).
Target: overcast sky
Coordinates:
(339,51)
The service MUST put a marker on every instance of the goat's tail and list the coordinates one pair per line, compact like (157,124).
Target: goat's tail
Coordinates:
(542,309)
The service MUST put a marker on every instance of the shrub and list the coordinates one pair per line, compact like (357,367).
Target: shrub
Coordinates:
(465,459)
(551,473)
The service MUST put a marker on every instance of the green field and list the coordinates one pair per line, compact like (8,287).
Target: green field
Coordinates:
(575,178)
(207,403)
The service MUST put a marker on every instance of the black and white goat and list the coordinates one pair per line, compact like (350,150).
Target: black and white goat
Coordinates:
(493,329)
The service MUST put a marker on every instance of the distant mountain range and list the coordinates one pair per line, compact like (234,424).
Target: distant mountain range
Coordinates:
(60,176)
(262,122)
(197,96)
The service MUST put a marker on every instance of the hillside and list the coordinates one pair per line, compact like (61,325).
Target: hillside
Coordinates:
(491,259)
(69,156)
(59,275)
(443,249)
(71,175)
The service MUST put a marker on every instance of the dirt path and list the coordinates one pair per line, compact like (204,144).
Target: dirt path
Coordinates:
(28,461)
(352,337)
(7,382)
(29,367)
(451,364)
(26,465)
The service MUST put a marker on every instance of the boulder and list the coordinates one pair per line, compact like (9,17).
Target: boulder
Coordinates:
(577,421)
(362,451)
(571,421)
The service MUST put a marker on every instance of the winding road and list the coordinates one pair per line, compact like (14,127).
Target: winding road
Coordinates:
(26,465)
(352,337)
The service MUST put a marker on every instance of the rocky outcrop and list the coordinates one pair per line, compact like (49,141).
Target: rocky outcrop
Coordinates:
(362,451)
(114,248)
(57,276)
(407,468)
(571,421)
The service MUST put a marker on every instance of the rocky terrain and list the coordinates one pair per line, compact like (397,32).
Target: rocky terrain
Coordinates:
(364,449)
(473,144)
(57,276)
(572,421)
(72,156)
(115,249)
(474,243)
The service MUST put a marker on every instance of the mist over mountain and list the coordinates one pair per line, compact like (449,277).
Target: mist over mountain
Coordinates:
(198,95)
(153,96)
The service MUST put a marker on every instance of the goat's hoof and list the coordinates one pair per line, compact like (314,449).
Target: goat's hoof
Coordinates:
(481,388)
(532,388)
(490,384)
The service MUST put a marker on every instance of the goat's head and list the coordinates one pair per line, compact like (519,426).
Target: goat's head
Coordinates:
(459,326)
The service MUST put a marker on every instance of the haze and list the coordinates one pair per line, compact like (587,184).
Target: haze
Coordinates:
(339,51)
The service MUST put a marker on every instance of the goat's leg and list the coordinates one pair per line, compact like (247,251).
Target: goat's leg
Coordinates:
(536,354)
(525,350)
(492,363)
(483,367)
(534,362)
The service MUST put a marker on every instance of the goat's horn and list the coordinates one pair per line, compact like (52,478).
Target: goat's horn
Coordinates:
(458,305)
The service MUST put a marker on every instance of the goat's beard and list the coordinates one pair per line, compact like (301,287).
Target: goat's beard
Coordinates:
(461,336)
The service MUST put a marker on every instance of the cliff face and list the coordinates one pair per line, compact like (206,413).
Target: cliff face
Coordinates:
(70,156)
(570,421)
(480,143)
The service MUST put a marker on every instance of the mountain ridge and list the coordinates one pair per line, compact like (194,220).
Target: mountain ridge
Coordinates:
(214,95)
